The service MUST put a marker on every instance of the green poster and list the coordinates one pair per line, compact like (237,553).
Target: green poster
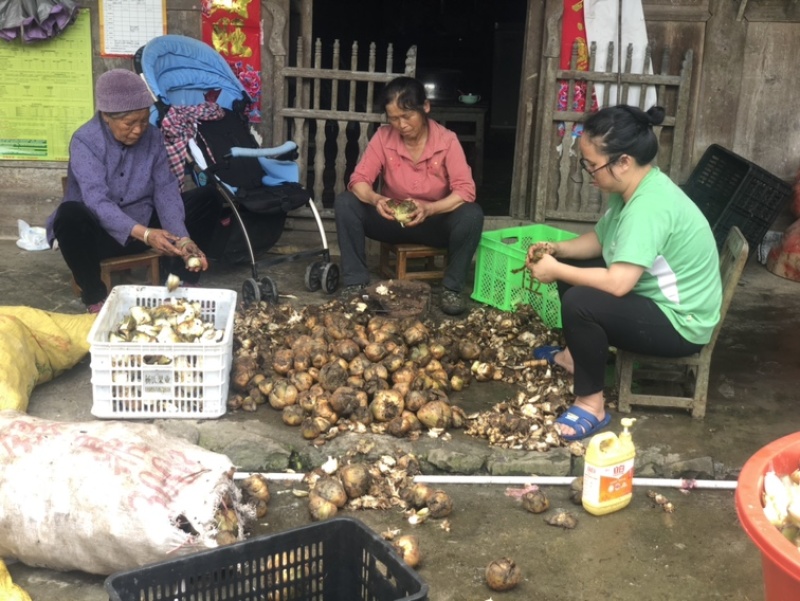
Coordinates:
(46,93)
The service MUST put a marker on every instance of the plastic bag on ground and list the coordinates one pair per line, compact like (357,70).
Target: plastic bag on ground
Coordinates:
(35,347)
(783,259)
(31,238)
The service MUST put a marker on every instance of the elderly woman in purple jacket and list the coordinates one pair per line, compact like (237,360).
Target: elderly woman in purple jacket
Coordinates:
(121,196)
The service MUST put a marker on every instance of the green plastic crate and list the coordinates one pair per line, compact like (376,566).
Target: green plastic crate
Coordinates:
(500,252)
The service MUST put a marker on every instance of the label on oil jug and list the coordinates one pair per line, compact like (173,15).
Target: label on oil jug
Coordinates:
(607,484)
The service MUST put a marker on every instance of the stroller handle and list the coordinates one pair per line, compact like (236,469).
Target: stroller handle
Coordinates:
(264,152)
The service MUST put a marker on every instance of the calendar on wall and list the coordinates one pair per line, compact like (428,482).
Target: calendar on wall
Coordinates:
(127,25)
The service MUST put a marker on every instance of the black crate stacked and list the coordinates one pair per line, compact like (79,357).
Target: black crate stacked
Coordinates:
(339,559)
(730,190)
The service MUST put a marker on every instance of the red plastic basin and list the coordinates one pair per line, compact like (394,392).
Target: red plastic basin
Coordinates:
(780,559)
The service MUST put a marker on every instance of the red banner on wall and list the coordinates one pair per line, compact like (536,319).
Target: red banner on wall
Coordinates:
(233,28)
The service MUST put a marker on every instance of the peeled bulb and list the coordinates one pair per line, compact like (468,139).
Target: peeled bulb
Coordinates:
(330,488)
(173,282)
(407,546)
(256,486)
(356,479)
(194,263)
(226,537)
(320,509)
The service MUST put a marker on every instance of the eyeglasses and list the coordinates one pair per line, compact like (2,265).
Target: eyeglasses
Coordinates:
(585,166)
(128,124)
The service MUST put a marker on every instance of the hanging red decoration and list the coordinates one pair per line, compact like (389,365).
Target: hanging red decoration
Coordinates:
(233,28)
(573,34)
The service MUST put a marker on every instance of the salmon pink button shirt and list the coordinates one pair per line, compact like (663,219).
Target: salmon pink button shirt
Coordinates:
(441,170)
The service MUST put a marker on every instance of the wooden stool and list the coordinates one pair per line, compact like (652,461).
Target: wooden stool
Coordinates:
(395,261)
(147,259)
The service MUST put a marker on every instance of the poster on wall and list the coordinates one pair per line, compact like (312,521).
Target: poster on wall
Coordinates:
(46,93)
(233,28)
(127,25)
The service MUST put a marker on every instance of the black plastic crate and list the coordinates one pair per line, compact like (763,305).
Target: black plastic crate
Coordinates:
(730,190)
(339,559)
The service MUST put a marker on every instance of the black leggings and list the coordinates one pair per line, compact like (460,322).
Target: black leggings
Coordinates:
(84,242)
(593,320)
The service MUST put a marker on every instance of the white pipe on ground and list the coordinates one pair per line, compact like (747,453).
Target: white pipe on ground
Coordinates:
(684,484)
(560,481)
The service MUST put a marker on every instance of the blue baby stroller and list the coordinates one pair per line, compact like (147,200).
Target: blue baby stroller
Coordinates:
(186,73)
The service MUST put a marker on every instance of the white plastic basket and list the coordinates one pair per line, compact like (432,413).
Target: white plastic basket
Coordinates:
(189,380)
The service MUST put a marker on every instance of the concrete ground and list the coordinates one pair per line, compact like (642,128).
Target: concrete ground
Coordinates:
(699,552)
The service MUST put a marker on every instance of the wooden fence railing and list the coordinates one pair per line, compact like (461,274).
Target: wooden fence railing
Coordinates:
(562,190)
(330,112)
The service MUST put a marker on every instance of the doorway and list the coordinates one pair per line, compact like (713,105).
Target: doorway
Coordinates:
(463,46)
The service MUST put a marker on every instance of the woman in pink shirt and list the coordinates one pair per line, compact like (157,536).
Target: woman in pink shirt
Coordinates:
(419,160)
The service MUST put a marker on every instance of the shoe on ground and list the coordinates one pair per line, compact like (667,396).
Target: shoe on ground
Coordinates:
(584,423)
(349,292)
(453,302)
(94,308)
(548,353)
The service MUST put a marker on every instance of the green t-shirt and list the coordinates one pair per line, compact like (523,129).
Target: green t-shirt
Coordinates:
(662,230)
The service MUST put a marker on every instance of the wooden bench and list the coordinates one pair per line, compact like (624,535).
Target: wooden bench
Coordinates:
(402,261)
(148,259)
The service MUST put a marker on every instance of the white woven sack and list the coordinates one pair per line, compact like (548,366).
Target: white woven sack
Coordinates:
(101,497)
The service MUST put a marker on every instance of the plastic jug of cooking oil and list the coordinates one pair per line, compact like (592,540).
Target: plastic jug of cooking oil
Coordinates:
(608,471)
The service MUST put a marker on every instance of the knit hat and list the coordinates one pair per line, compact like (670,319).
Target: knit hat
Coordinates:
(120,91)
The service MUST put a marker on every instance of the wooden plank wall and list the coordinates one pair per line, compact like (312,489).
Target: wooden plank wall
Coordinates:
(765,132)
(525,148)
(749,76)
(746,73)
(743,81)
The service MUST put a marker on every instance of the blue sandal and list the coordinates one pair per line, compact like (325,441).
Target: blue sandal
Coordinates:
(584,423)
(547,352)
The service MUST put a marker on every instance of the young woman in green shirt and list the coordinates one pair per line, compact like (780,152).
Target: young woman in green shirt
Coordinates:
(646,279)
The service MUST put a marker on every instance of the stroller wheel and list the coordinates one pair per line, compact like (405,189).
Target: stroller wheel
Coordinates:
(269,290)
(330,277)
(250,292)
(314,276)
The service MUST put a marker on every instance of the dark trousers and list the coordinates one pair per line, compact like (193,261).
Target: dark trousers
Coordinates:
(458,231)
(593,320)
(84,242)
